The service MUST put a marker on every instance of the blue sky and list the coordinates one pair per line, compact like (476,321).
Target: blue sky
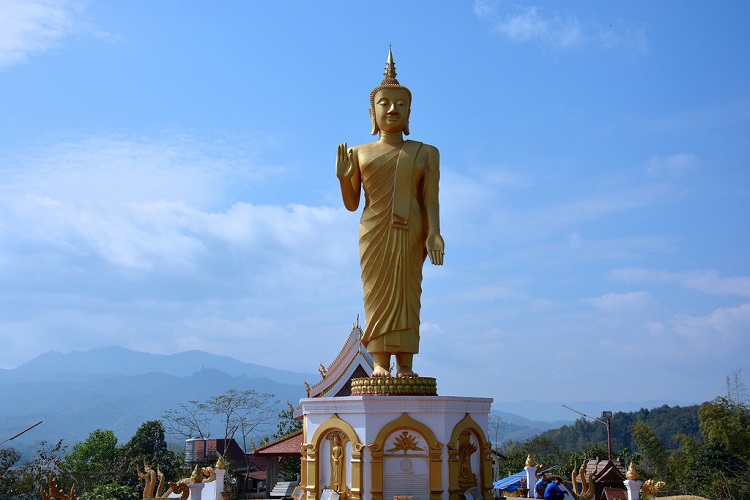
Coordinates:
(167,183)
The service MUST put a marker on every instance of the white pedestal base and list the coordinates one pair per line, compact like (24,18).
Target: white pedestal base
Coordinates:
(377,447)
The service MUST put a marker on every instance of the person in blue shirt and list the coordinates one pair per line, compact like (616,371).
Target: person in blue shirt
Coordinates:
(554,491)
(540,487)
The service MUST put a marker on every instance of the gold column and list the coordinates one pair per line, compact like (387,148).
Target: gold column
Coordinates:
(357,452)
(486,467)
(312,472)
(436,471)
(454,493)
(376,471)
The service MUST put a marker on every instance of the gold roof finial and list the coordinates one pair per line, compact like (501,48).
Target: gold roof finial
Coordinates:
(389,79)
(196,476)
(632,474)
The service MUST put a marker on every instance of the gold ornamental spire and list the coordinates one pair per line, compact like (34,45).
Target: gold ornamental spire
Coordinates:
(390,67)
(389,79)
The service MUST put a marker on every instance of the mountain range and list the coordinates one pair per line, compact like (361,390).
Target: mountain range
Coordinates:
(118,389)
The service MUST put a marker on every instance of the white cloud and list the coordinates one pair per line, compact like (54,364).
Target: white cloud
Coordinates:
(135,243)
(484,211)
(707,281)
(530,23)
(722,331)
(623,302)
(141,204)
(564,215)
(29,27)
(673,165)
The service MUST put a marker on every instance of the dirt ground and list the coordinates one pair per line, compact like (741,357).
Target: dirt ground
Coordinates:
(679,497)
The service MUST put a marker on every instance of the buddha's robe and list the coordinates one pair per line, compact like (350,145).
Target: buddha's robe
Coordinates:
(392,233)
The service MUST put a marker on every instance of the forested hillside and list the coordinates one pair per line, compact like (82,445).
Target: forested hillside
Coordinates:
(697,450)
(666,423)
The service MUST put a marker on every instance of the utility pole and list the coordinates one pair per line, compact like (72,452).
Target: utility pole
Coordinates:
(608,416)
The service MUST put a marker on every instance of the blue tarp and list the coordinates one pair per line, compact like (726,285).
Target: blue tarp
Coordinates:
(510,483)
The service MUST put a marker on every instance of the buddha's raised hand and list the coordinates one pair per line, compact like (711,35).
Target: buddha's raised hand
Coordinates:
(344,162)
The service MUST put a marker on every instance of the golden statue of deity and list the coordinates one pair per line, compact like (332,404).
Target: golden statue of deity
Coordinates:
(399,227)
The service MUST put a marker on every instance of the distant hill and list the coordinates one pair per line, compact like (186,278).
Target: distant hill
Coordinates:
(121,361)
(118,389)
(666,422)
(517,428)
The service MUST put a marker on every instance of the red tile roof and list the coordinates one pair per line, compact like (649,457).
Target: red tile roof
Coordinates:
(288,446)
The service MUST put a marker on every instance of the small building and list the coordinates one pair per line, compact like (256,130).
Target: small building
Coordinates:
(205,451)
(609,477)
(272,453)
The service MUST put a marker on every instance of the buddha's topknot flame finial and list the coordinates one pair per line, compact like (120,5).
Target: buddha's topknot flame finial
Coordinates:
(389,79)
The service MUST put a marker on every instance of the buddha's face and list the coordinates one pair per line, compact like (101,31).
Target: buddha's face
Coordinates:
(392,106)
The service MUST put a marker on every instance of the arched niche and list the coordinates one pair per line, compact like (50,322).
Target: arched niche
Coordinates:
(311,457)
(434,453)
(483,447)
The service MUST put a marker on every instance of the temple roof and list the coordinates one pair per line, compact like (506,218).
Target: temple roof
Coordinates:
(353,361)
(289,445)
(608,471)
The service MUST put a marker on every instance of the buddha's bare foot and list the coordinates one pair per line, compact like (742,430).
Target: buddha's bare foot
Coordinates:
(406,373)
(380,372)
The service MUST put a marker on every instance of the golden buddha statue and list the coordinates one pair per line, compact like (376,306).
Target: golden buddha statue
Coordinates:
(399,227)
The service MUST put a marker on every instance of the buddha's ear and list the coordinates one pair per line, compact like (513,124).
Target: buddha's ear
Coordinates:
(375,129)
(406,127)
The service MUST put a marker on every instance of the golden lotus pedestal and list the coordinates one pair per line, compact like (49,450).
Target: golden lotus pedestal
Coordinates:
(417,386)
(379,445)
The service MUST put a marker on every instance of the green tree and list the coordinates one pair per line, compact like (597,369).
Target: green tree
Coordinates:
(515,458)
(242,411)
(240,414)
(715,472)
(286,424)
(727,421)
(289,467)
(109,492)
(189,420)
(651,449)
(149,444)
(542,450)
(96,461)
(8,478)
(23,483)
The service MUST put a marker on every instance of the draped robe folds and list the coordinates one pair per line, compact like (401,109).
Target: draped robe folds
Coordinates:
(392,248)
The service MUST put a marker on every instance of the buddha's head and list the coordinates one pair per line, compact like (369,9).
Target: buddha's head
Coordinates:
(390,103)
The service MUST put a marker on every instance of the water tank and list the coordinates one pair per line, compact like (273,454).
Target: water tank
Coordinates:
(195,449)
